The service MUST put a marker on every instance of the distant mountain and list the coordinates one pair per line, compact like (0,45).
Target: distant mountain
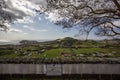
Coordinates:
(28,42)
(9,42)
(69,39)
(17,42)
(64,41)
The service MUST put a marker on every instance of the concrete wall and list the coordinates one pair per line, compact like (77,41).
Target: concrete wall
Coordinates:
(22,69)
(91,69)
(59,69)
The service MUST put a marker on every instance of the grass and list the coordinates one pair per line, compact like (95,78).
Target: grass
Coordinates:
(35,56)
(87,50)
(8,54)
(56,53)
(11,55)
(100,50)
(53,53)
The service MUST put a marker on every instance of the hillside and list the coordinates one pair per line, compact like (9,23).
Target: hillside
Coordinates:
(66,49)
(28,42)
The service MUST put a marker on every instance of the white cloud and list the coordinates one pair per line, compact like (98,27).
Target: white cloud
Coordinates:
(23,10)
(53,16)
(25,33)
(25,20)
(39,19)
(20,9)
(33,29)
(23,6)
(1,40)
(15,30)
(39,2)
(29,27)
(117,23)
(43,30)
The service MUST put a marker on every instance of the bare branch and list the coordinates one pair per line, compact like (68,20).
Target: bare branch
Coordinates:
(117,4)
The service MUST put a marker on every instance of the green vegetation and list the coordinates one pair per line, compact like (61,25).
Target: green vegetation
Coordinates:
(7,54)
(53,53)
(61,48)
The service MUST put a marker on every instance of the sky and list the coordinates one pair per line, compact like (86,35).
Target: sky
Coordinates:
(29,25)
(37,28)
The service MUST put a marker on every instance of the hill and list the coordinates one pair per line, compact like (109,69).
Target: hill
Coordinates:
(28,42)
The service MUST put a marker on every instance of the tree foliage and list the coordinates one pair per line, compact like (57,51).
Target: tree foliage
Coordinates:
(88,15)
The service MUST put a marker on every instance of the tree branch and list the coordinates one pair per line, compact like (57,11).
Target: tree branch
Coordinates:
(117,4)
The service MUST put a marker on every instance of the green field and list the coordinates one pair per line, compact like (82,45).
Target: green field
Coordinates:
(60,48)
(56,53)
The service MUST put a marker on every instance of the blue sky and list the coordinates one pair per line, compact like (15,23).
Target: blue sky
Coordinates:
(36,28)
(30,25)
